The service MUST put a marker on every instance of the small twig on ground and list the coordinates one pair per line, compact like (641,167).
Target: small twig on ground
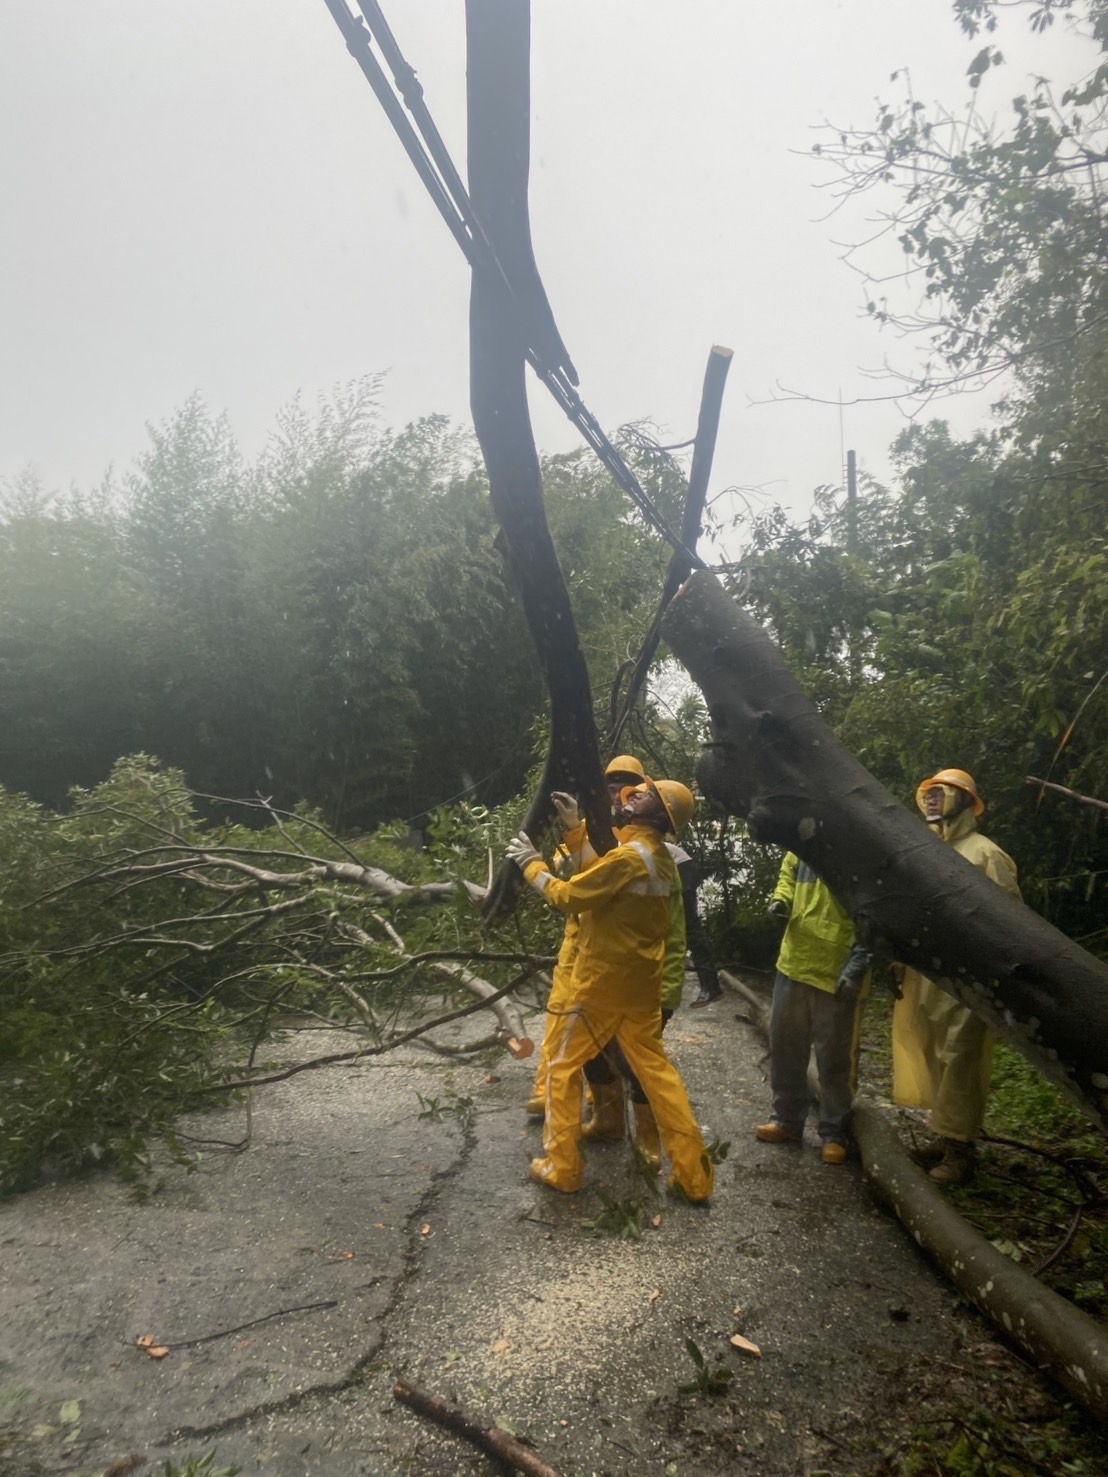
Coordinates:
(488,1438)
(1063,1245)
(1089,1188)
(223,1333)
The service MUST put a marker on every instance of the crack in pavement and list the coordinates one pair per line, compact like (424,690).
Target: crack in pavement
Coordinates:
(441,1180)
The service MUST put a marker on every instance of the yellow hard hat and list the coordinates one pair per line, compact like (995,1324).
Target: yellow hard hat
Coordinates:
(625,764)
(960,780)
(678,800)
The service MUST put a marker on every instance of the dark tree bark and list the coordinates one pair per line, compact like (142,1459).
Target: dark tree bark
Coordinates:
(498,35)
(773,761)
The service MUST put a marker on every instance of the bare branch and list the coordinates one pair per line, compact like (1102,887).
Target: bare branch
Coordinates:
(380,1048)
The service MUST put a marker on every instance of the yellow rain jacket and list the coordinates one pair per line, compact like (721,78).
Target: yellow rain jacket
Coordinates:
(673,970)
(622,908)
(573,855)
(818,947)
(942,1052)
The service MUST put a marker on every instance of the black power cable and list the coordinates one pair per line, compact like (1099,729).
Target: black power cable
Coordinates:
(425,148)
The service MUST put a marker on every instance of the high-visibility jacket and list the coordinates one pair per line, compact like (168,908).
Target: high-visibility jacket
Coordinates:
(677,942)
(818,947)
(575,853)
(622,905)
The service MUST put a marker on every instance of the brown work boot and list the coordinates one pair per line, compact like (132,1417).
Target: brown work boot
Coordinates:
(773,1133)
(608,1124)
(833,1153)
(957,1165)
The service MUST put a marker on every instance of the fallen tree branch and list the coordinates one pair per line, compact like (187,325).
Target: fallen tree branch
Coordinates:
(513,1032)
(1061,790)
(223,1333)
(234,859)
(379,1048)
(466,1048)
(1059,1340)
(489,1438)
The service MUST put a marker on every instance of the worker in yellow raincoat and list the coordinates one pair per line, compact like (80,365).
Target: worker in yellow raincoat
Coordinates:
(574,854)
(942,1052)
(609,1075)
(622,903)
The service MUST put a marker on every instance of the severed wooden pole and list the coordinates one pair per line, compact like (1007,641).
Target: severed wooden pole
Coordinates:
(704,449)
(1060,1340)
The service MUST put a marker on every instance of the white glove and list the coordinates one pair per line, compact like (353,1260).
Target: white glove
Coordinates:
(566,806)
(520,850)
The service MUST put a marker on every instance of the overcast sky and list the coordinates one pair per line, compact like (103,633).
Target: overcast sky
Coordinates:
(205,195)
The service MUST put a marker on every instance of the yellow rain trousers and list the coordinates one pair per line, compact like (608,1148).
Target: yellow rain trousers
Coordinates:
(622,905)
(574,854)
(942,1052)
(557,1002)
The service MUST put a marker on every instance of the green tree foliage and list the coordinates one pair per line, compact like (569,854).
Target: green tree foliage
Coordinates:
(962,616)
(331,624)
(968,626)
(73,622)
(148,955)
(1001,223)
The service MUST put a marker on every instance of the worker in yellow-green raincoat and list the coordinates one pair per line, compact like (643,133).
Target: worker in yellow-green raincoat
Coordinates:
(818,992)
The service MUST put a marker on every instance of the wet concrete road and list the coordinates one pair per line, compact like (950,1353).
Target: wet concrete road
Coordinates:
(354,1240)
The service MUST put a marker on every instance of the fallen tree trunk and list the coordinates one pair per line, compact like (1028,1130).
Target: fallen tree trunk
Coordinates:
(773,761)
(1061,1341)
